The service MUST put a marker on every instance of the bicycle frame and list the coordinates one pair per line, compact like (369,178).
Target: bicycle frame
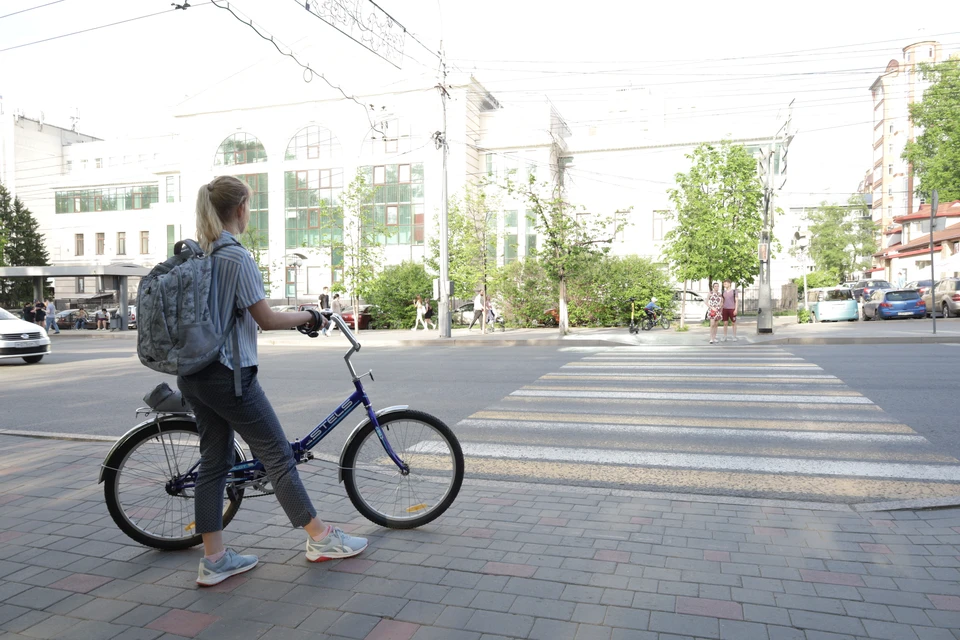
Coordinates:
(250,470)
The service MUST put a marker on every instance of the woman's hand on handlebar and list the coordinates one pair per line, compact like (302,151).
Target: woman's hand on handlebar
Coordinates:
(313,327)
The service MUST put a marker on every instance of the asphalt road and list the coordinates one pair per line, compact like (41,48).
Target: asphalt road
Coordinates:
(845,423)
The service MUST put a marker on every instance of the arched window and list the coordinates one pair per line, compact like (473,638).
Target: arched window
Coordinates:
(388,137)
(314,143)
(240,148)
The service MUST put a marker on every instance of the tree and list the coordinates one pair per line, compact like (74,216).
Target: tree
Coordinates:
(842,239)
(358,246)
(394,289)
(718,210)
(471,244)
(22,246)
(569,240)
(935,154)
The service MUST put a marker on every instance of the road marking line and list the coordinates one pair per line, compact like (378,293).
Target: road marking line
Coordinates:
(689,365)
(705,462)
(741,398)
(718,389)
(701,403)
(710,423)
(696,377)
(730,483)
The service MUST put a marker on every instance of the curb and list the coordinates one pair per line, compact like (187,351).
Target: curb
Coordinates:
(842,507)
(867,340)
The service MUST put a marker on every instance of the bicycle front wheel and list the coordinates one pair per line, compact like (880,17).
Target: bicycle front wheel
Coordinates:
(139,492)
(386,496)
(665,322)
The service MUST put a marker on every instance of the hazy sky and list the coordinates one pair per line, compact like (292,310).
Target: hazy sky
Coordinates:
(720,68)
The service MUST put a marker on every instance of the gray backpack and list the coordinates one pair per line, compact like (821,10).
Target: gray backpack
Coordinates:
(175,332)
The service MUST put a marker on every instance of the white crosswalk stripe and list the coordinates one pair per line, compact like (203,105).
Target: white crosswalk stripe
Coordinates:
(757,421)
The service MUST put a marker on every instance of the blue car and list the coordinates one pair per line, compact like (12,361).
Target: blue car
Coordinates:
(832,304)
(894,303)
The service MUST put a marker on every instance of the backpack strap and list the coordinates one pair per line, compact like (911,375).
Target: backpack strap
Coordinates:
(238,313)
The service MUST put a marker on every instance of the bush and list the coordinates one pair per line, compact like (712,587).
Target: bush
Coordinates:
(525,292)
(394,290)
(600,294)
(804,315)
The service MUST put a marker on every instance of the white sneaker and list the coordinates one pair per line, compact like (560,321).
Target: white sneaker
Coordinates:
(337,544)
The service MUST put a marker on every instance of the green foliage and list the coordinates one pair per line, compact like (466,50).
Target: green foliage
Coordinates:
(685,327)
(600,292)
(472,242)
(21,245)
(842,240)
(394,289)
(525,291)
(719,216)
(804,316)
(935,154)
(815,280)
(568,242)
(254,241)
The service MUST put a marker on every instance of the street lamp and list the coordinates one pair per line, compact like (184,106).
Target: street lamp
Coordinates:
(297,262)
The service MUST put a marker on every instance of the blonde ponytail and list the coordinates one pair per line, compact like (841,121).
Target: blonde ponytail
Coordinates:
(216,201)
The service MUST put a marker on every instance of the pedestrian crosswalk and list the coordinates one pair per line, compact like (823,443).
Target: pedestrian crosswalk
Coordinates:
(747,420)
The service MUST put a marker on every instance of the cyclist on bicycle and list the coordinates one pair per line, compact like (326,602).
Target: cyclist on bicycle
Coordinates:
(652,309)
(223,211)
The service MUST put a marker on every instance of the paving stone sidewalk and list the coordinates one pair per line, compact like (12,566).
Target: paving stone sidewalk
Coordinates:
(507,561)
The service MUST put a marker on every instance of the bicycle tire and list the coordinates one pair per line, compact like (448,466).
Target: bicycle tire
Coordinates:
(647,324)
(379,501)
(665,322)
(157,509)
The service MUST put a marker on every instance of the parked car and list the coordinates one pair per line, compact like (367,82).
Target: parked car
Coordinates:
(864,288)
(16,313)
(22,339)
(68,319)
(850,284)
(131,315)
(284,308)
(368,314)
(894,303)
(945,298)
(695,307)
(462,314)
(920,285)
(832,304)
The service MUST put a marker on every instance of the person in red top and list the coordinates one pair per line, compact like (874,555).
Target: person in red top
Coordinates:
(729,314)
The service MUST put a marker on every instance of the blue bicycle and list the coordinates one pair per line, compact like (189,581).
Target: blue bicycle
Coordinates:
(401,468)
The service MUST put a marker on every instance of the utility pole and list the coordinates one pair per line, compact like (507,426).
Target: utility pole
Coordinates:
(765,295)
(934,203)
(444,234)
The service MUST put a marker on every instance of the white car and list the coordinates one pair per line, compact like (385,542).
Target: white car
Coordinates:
(694,309)
(22,339)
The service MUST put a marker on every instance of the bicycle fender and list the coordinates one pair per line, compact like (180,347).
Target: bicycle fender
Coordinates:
(353,434)
(152,423)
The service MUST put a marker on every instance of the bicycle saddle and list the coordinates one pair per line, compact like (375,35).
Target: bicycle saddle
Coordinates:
(165,400)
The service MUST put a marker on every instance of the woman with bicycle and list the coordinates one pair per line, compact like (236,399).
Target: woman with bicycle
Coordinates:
(223,211)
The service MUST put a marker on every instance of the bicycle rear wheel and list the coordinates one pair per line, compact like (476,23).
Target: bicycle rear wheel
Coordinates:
(135,487)
(387,497)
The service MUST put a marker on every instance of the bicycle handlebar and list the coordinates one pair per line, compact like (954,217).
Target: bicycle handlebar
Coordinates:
(336,319)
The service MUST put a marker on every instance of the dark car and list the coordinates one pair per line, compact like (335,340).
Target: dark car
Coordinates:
(68,319)
(920,285)
(894,303)
(368,313)
(864,288)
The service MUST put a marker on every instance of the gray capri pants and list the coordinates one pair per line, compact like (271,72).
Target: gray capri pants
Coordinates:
(219,412)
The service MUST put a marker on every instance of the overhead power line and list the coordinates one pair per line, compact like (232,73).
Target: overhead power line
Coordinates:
(39,6)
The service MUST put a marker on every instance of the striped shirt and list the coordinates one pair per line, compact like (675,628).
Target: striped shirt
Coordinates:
(234,268)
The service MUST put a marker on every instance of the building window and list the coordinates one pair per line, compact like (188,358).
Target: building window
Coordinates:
(313,217)
(171,239)
(510,243)
(98,163)
(100,243)
(531,230)
(291,282)
(314,143)
(83,164)
(491,162)
(391,136)
(240,148)
(890,191)
(69,166)
(121,243)
(658,218)
(258,207)
(109,199)
(909,55)
(78,244)
(397,201)
(890,169)
(930,53)
(891,128)
(81,285)
(144,242)
(890,147)
(171,189)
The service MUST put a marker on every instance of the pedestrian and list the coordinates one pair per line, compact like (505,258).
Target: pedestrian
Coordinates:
(324,301)
(52,317)
(40,314)
(478,305)
(103,319)
(29,312)
(714,310)
(428,314)
(421,309)
(335,308)
(491,314)
(729,314)
(901,279)
(223,212)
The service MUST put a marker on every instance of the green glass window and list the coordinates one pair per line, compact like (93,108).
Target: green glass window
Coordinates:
(171,239)
(107,199)
(312,215)
(240,148)
(397,201)
(259,209)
